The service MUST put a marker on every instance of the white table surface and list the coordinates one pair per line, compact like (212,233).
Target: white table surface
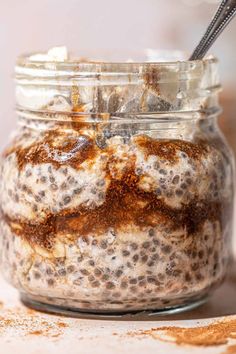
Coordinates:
(24,331)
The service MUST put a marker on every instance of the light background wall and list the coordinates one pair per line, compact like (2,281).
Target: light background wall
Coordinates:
(85,25)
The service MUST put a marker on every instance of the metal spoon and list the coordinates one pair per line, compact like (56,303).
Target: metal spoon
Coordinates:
(224,14)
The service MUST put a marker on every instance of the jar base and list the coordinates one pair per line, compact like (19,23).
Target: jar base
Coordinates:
(93,314)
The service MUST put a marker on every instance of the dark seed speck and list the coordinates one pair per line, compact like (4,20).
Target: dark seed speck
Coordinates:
(110,285)
(125,253)
(67,200)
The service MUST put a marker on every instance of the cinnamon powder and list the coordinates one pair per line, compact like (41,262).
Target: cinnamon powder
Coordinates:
(26,322)
(230,350)
(215,334)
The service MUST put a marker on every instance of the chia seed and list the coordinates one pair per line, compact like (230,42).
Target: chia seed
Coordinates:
(67,200)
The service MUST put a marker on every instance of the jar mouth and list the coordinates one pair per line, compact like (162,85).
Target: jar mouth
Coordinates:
(175,59)
(165,82)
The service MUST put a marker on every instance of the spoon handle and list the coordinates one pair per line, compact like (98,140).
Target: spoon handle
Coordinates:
(224,14)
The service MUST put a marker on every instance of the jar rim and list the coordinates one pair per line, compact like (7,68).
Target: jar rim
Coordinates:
(25,59)
(175,59)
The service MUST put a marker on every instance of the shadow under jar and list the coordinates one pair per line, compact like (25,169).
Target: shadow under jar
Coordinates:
(117,187)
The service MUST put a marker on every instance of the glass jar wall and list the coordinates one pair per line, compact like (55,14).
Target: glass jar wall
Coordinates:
(117,186)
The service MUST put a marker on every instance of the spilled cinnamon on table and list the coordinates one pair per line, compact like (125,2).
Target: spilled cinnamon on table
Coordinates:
(215,334)
(25,322)
(230,350)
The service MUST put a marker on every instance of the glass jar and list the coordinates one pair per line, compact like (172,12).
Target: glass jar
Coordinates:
(117,186)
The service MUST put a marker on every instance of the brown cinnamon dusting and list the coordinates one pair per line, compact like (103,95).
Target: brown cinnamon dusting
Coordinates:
(62,324)
(24,323)
(151,79)
(36,333)
(217,333)
(58,148)
(230,350)
(125,203)
(168,149)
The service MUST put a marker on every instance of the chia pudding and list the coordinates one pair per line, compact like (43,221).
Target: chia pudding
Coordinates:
(98,216)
